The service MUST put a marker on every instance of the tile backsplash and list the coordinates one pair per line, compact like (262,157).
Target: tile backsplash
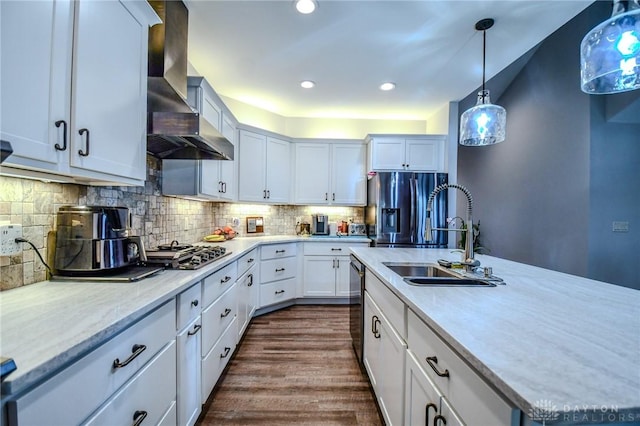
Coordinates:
(158,219)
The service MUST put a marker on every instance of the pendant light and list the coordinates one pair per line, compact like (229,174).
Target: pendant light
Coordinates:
(610,53)
(485,123)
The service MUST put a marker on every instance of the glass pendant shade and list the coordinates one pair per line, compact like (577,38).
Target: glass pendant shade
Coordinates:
(483,124)
(610,53)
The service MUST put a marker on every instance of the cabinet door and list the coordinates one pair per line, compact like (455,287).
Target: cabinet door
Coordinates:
(210,183)
(110,87)
(36,37)
(342,277)
(278,167)
(392,352)
(311,176)
(348,174)
(252,167)
(371,354)
(387,154)
(424,154)
(319,276)
(228,167)
(422,396)
(189,373)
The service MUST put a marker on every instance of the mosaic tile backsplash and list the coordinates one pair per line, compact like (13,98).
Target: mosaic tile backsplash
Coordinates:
(158,219)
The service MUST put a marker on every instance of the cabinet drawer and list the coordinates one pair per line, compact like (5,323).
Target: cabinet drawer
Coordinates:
(277,291)
(218,282)
(74,393)
(217,358)
(277,269)
(471,397)
(247,261)
(274,251)
(216,318)
(150,393)
(189,305)
(388,302)
(329,249)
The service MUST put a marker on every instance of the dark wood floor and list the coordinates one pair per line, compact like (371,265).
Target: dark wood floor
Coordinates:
(294,366)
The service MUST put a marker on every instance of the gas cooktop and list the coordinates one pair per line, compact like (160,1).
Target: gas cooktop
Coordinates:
(185,256)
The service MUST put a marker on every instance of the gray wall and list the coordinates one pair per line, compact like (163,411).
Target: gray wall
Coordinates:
(539,195)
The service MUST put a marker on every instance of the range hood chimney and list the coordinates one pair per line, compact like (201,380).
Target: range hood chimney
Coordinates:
(174,129)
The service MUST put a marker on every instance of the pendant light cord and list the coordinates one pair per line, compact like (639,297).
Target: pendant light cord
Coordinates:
(484,55)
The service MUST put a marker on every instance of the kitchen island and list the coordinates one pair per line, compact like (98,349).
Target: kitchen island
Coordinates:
(542,340)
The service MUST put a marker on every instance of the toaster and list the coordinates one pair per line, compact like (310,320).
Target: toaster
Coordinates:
(357,229)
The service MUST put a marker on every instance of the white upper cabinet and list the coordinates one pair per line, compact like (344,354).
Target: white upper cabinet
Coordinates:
(264,168)
(74,90)
(330,173)
(420,153)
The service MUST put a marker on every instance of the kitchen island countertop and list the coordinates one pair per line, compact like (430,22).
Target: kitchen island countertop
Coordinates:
(47,325)
(543,338)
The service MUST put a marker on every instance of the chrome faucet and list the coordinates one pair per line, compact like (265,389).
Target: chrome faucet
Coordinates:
(469,262)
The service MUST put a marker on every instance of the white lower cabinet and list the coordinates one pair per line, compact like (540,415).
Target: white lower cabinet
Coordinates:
(78,390)
(146,397)
(384,358)
(278,271)
(247,294)
(326,269)
(189,373)
(464,393)
(217,358)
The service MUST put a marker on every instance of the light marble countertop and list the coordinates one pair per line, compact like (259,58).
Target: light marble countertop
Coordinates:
(543,338)
(47,325)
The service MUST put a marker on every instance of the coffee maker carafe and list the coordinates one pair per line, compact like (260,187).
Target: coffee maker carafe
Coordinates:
(91,239)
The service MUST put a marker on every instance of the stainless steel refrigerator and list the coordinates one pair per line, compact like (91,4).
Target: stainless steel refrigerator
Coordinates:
(396,210)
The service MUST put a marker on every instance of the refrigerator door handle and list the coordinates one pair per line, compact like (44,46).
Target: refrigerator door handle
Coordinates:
(414,205)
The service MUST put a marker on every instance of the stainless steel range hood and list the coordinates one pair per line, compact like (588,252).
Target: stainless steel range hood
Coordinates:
(174,129)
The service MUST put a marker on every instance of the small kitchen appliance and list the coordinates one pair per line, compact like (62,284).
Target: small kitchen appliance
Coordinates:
(185,256)
(357,229)
(320,224)
(91,240)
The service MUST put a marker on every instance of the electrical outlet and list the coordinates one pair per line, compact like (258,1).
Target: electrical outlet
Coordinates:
(8,235)
(235,221)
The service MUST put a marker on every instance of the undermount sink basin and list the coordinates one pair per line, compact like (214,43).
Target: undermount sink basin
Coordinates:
(433,276)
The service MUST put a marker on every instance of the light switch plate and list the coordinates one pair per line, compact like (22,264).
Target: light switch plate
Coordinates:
(8,235)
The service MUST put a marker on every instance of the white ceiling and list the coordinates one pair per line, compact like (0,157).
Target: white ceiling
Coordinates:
(258,51)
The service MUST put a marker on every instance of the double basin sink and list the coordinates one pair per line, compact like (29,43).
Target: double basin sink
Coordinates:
(432,275)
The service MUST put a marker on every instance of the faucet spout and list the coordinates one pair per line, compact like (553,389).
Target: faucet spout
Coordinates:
(470,263)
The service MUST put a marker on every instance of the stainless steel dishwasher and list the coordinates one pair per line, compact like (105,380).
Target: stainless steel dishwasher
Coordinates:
(356,305)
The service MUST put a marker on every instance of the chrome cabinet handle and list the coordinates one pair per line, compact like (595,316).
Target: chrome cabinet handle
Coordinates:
(432,361)
(438,419)
(194,303)
(426,416)
(279,269)
(226,352)
(225,279)
(279,291)
(226,312)
(138,417)
(81,152)
(136,350)
(64,135)
(224,187)
(196,328)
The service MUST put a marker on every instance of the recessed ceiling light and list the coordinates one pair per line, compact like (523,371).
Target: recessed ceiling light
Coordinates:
(306,6)
(307,84)
(387,86)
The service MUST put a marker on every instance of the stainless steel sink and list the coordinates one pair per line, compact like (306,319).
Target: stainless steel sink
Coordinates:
(427,274)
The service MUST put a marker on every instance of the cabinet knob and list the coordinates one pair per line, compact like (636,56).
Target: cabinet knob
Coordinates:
(194,303)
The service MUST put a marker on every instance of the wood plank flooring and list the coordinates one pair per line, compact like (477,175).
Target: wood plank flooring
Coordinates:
(295,366)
